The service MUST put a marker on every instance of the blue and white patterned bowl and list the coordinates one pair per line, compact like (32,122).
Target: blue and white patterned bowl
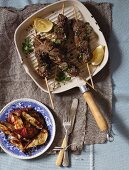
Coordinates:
(36,151)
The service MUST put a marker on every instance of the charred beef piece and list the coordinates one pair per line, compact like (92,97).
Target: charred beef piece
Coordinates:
(84,56)
(59,34)
(73,70)
(48,47)
(81,27)
(62,20)
(44,63)
(70,68)
(63,66)
(81,40)
(61,29)
(54,54)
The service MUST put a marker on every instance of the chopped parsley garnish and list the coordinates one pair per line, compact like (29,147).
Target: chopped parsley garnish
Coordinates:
(67,78)
(81,56)
(27,46)
(57,41)
(62,77)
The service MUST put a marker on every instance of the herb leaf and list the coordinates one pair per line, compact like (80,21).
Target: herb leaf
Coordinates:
(62,77)
(27,46)
(67,78)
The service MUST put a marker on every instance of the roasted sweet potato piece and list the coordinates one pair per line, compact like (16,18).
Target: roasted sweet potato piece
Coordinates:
(17,143)
(37,116)
(4,128)
(28,132)
(25,128)
(32,120)
(39,140)
(8,129)
(16,121)
(9,126)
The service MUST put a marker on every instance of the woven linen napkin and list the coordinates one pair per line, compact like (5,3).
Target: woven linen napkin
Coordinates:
(15,83)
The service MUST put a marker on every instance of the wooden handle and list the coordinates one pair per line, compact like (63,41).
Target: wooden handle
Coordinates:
(66,158)
(61,152)
(100,120)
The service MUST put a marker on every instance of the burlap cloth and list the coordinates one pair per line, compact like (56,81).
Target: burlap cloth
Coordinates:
(15,83)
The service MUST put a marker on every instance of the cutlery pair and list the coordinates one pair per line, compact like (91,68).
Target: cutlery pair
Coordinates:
(68,123)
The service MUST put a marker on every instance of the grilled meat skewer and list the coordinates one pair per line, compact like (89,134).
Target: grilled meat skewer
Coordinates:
(44,64)
(55,49)
(61,29)
(48,47)
(54,53)
(81,37)
(81,32)
(43,58)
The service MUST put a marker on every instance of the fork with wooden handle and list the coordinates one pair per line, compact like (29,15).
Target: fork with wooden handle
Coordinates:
(67,126)
(63,154)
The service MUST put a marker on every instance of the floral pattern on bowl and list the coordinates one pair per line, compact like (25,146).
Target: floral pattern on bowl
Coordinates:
(39,107)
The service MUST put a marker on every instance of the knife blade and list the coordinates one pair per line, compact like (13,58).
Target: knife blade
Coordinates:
(73,112)
(72,115)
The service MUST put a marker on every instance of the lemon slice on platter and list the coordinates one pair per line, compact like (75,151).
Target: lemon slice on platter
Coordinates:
(98,55)
(42,25)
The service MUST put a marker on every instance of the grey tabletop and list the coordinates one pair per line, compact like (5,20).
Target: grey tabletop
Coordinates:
(110,156)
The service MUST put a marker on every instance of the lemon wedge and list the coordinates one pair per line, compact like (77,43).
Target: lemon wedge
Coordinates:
(42,25)
(98,55)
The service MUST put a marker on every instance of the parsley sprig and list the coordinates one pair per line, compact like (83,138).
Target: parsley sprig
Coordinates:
(62,77)
(27,46)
